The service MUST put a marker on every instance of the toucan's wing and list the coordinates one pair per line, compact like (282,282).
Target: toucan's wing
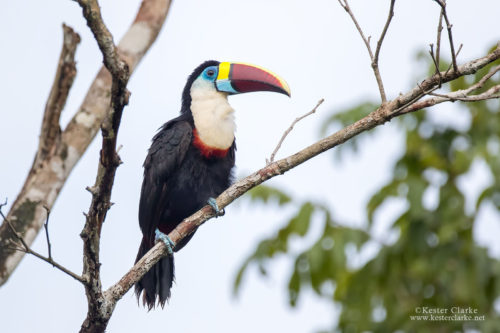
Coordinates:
(164,157)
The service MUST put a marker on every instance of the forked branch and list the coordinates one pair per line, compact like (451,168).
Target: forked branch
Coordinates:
(442,4)
(27,249)
(289,129)
(41,186)
(373,57)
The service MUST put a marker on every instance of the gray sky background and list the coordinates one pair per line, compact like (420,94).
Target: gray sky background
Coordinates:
(315,47)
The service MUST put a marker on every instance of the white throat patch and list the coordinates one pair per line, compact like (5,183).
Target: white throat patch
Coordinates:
(212,114)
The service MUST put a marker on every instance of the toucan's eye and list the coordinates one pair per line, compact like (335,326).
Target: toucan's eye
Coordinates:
(210,73)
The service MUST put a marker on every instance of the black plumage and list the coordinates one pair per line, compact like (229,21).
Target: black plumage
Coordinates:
(178,181)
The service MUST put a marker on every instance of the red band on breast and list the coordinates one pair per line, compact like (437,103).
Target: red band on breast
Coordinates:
(206,150)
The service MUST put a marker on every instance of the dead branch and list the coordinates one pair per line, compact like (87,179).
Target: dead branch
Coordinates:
(27,249)
(289,129)
(35,193)
(42,186)
(65,75)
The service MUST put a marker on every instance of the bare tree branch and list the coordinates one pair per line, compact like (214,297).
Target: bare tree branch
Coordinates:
(27,249)
(374,58)
(42,186)
(382,35)
(65,75)
(456,55)
(347,8)
(438,39)
(47,237)
(108,163)
(459,95)
(435,59)
(289,129)
(442,3)
(116,66)
(35,194)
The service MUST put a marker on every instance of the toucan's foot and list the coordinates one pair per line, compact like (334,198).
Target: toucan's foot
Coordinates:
(165,239)
(213,203)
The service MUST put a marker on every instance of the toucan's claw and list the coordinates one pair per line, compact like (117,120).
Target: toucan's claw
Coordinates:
(213,203)
(165,239)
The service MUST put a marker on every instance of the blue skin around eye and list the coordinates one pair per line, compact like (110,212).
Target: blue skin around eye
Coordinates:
(221,85)
(207,77)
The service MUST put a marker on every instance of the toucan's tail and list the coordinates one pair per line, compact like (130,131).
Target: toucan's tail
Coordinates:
(156,284)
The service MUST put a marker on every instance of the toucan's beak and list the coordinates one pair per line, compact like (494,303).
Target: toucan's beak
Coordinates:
(237,78)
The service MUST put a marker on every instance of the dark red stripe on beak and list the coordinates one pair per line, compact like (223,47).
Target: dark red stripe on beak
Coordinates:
(245,78)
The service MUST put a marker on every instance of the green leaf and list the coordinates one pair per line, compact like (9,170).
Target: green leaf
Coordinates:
(389,190)
(294,288)
(299,224)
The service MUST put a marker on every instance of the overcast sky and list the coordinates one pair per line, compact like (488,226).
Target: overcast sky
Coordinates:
(314,46)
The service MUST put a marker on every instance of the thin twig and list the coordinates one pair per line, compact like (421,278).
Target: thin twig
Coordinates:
(483,80)
(345,5)
(442,3)
(422,93)
(384,31)
(27,249)
(435,61)
(375,67)
(456,55)
(438,39)
(464,94)
(459,95)
(46,226)
(289,129)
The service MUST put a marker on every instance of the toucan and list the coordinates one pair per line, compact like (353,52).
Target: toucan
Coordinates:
(190,162)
